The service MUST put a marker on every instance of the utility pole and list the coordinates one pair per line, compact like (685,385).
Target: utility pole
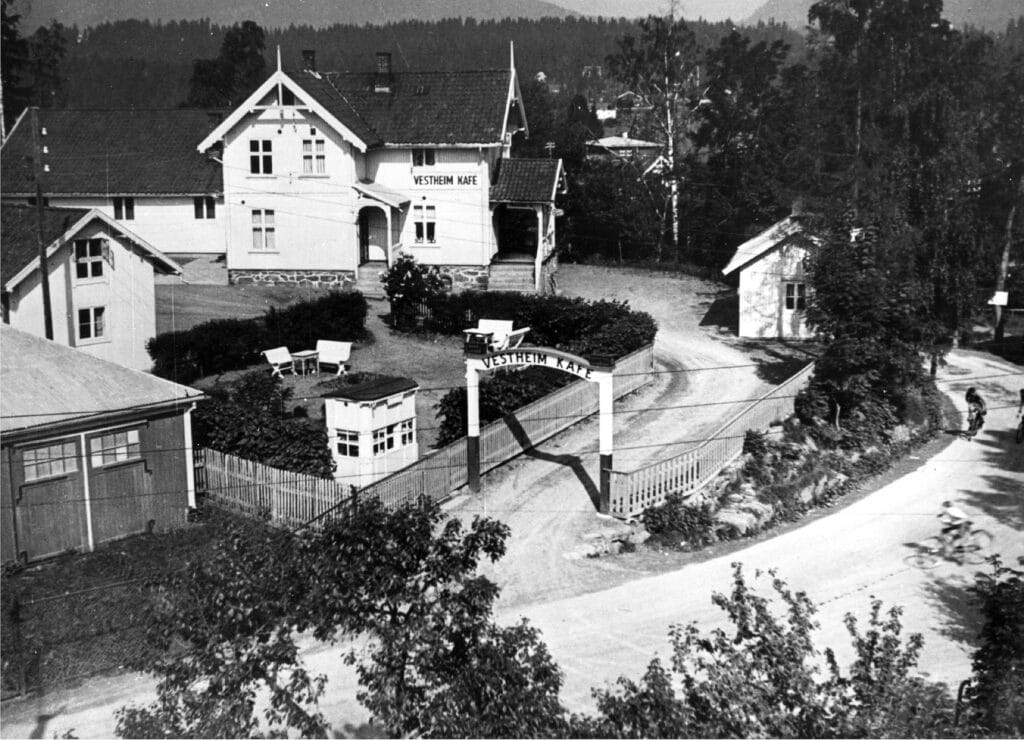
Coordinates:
(44,271)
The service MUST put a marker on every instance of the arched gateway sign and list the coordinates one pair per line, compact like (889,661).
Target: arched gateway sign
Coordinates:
(479,358)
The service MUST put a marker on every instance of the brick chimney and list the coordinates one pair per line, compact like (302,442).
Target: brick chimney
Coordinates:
(382,77)
(309,60)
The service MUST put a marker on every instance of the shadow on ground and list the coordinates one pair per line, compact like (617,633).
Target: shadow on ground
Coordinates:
(723,311)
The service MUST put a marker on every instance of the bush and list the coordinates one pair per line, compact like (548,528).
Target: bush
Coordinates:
(220,345)
(678,524)
(408,285)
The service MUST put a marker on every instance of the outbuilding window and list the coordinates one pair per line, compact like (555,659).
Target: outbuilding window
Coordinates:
(261,158)
(796,296)
(348,443)
(424,157)
(91,323)
(314,158)
(425,224)
(264,236)
(115,447)
(59,458)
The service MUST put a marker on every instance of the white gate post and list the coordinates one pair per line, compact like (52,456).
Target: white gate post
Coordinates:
(473,427)
(606,435)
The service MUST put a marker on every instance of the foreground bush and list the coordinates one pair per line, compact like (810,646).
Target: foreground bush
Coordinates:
(220,345)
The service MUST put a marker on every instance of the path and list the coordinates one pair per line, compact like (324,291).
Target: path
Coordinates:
(545,496)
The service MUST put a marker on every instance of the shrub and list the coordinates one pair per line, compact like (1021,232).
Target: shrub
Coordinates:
(755,443)
(677,523)
(338,316)
(408,284)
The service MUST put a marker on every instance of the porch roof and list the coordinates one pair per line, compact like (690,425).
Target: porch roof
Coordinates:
(527,181)
(380,193)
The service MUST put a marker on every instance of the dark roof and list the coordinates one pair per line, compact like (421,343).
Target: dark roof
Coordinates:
(113,152)
(46,383)
(373,390)
(19,243)
(525,181)
(420,108)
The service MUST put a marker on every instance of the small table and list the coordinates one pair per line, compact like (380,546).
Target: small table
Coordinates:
(305,358)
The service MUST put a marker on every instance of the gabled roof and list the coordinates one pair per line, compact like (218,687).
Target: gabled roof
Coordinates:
(19,246)
(785,230)
(111,153)
(46,384)
(527,181)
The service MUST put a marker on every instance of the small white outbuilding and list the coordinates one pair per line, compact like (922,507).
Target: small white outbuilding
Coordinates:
(773,282)
(371,429)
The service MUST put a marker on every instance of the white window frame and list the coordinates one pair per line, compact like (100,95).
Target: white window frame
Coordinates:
(406,432)
(114,447)
(63,453)
(348,443)
(204,207)
(264,230)
(424,224)
(261,156)
(95,318)
(794,295)
(91,260)
(314,156)
(424,157)
(124,209)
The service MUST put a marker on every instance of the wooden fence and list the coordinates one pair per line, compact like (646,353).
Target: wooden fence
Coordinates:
(258,490)
(292,499)
(689,471)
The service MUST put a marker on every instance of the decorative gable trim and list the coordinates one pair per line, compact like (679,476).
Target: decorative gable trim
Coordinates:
(116,229)
(278,78)
(515,95)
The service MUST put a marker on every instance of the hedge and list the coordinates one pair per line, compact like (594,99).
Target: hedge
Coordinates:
(219,345)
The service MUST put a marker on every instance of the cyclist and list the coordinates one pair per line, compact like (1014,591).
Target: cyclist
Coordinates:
(955,524)
(976,411)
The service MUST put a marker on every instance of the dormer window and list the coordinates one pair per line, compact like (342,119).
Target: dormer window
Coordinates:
(424,157)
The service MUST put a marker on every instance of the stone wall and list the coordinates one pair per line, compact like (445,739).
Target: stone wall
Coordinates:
(341,279)
(548,269)
(464,277)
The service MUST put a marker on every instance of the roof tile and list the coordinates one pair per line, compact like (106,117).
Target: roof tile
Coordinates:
(525,181)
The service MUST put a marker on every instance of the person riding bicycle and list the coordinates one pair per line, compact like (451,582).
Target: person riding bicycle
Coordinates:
(955,523)
(976,411)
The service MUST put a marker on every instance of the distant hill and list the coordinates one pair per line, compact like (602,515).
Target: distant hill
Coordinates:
(990,15)
(278,13)
(712,10)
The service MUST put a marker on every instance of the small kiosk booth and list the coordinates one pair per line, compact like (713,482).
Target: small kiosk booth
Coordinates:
(371,429)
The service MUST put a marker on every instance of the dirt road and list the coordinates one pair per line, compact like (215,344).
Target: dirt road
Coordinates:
(547,496)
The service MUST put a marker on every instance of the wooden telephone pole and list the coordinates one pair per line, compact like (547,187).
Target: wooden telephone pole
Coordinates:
(44,271)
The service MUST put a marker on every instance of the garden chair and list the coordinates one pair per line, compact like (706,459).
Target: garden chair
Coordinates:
(499,333)
(280,359)
(334,353)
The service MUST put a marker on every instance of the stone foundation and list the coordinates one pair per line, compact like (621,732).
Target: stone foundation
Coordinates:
(548,281)
(340,279)
(458,278)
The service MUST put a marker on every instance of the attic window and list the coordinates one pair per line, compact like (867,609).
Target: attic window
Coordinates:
(421,90)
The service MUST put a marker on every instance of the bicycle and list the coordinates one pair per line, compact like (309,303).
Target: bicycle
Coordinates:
(972,548)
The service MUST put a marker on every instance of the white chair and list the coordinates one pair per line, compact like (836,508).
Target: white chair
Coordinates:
(500,334)
(280,359)
(334,353)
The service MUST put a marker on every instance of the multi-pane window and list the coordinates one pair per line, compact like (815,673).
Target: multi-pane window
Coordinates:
(58,458)
(424,157)
(424,222)
(114,447)
(314,159)
(406,431)
(796,296)
(348,443)
(205,206)
(124,209)
(91,323)
(263,234)
(88,258)
(261,159)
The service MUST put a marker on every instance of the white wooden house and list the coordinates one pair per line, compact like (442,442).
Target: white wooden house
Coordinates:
(139,167)
(371,429)
(328,176)
(773,282)
(100,281)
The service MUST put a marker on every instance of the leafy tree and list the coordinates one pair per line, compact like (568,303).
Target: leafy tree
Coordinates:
(238,70)
(408,285)
(660,65)
(31,67)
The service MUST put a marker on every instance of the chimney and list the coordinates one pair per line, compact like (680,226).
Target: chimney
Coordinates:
(382,73)
(309,60)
